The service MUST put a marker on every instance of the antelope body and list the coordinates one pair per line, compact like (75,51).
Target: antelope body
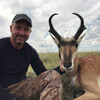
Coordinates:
(84,71)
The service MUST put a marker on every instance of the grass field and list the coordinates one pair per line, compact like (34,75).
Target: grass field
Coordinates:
(51,60)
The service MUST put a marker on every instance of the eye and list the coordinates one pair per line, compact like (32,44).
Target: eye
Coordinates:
(76,45)
(59,45)
(26,29)
(18,28)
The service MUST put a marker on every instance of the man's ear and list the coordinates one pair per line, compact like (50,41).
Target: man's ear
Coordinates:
(10,28)
(30,30)
(55,39)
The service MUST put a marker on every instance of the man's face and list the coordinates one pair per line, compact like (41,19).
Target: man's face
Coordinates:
(20,32)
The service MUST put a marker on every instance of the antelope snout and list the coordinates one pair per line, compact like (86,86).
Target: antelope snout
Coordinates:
(67,65)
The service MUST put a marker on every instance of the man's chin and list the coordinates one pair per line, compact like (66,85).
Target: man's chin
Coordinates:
(19,43)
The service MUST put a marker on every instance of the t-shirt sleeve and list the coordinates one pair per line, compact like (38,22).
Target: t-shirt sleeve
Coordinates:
(4,95)
(37,64)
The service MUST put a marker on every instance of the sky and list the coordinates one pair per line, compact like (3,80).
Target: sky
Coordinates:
(65,22)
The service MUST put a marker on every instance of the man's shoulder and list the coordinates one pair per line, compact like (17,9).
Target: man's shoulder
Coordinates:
(30,51)
(3,41)
(29,47)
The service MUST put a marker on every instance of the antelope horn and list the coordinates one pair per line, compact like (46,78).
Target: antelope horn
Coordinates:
(81,28)
(52,30)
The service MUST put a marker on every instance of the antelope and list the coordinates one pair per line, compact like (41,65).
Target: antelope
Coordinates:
(84,71)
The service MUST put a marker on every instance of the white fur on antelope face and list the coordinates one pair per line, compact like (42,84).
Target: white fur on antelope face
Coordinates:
(99,81)
(68,69)
(71,67)
(73,58)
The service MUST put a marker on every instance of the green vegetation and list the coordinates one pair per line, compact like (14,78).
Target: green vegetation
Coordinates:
(81,54)
(50,61)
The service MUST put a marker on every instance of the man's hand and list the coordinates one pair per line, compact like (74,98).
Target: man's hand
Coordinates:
(61,66)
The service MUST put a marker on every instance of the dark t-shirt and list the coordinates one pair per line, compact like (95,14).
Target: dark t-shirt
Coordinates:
(14,64)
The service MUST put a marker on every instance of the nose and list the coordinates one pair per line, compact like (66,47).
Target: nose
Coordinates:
(21,32)
(67,64)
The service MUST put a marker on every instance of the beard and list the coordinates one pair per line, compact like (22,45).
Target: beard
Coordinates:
(19,39)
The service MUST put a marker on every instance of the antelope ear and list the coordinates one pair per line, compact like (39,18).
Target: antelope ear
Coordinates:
(55,39)
(80,38)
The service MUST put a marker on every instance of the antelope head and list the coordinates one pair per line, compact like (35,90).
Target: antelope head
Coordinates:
(67,46)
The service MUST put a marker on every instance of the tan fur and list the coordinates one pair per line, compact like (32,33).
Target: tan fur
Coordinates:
(75,71)
(85,71)
(89,74)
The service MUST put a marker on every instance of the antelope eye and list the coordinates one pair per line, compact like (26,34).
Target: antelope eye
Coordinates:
(76,45)
(59,45)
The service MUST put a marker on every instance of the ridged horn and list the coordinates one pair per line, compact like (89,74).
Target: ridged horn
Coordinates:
(81,28)
(52,30)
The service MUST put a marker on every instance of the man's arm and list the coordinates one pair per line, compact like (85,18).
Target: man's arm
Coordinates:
(38,66)
(4,95)
(60,69)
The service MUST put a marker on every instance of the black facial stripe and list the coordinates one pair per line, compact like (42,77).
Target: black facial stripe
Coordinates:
(67,58)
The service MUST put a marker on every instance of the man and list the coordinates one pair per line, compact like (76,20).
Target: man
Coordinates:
(15,56)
